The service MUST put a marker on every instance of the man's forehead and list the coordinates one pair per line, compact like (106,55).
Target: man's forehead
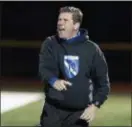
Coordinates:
(65,15)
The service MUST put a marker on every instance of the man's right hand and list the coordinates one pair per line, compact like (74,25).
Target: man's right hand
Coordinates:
(61,85)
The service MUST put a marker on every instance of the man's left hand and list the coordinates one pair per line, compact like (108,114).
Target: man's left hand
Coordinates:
(89,113)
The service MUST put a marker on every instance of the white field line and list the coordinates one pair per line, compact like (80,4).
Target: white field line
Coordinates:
(12,100)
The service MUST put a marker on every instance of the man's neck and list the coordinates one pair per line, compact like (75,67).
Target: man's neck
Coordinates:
(76,34)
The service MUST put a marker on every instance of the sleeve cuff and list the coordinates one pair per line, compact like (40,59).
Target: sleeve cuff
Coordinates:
(52,80)
(97,104)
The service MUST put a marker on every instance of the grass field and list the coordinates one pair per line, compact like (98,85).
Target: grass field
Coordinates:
(115,112)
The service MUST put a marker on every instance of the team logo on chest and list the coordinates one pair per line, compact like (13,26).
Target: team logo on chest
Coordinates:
(71,65)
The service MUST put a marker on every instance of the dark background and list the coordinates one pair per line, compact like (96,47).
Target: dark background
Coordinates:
(107,22)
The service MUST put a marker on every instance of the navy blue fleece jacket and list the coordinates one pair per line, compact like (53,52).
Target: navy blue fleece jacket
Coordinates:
(79,61)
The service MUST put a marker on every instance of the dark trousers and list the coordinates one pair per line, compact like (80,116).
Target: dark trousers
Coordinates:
(55,117)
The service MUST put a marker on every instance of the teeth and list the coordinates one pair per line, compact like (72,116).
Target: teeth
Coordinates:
(61,28)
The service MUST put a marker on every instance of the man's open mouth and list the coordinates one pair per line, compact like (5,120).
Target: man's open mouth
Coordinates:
(61,28)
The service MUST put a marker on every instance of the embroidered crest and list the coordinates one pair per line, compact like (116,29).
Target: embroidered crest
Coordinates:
(71,65)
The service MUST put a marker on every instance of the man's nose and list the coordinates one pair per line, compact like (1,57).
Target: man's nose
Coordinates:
(61,23)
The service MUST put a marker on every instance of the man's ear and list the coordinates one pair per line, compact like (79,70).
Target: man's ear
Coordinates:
(76,26)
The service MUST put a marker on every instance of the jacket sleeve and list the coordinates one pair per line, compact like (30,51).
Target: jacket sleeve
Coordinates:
(100,78)
(47,62)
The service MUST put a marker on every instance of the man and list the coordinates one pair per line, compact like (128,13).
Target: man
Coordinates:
(75,73)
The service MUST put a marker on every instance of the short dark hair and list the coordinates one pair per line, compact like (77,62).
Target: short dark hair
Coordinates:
(76,13)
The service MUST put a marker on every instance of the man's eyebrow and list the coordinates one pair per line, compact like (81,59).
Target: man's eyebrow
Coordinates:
(66,19)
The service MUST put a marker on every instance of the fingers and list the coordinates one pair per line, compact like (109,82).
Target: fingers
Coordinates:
(91,119)
(67,83)
(61,85)
(84,115)
(87,115)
